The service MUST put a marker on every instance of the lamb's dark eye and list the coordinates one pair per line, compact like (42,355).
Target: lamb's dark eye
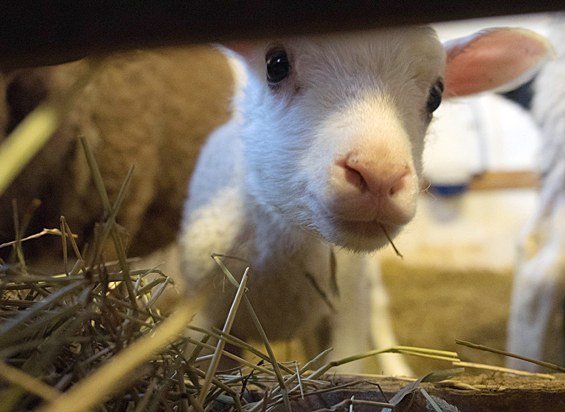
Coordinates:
(434,98)
(278,66)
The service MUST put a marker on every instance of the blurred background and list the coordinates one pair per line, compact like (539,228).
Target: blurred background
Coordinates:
(460,252)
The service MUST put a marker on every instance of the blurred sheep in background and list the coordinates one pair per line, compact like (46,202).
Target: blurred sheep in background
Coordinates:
(536,327)
(151,109)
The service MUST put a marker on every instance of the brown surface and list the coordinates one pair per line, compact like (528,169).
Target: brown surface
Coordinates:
(431,307)
(505,180)
(490,392)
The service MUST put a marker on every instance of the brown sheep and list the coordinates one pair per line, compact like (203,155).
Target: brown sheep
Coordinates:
(151,109)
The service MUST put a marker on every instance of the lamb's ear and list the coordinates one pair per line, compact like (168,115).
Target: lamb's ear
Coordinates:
(242,48)
(496,59)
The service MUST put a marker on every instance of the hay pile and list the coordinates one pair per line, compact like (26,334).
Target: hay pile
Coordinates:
(92,338)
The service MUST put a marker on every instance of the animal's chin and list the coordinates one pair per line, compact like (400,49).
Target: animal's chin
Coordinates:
(359,236)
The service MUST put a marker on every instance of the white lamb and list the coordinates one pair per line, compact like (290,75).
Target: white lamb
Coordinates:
(536,325)
(323,156)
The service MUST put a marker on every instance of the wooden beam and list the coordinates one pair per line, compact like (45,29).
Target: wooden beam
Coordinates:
(42,32)
(496,180)
(490,392)
(492,180)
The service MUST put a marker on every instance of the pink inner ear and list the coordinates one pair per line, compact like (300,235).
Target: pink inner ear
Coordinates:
(492,59)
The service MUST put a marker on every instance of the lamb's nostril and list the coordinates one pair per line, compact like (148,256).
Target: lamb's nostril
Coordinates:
(383,180)
(355,178)
(397,182)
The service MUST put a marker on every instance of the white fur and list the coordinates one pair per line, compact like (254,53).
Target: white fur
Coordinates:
(536,327)
(330,158)
(343,106)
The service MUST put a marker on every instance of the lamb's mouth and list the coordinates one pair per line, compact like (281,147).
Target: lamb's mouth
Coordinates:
(367,228)
(362,236)
(362,227)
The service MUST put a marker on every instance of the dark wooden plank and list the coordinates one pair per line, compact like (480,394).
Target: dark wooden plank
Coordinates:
(487,392)
(46,32)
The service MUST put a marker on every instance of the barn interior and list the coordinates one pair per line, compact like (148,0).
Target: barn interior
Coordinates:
(485,167)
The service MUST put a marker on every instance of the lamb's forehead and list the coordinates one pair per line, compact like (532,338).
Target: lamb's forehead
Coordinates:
(415,51)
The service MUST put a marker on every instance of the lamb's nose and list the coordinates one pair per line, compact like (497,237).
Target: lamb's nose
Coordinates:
(382,180)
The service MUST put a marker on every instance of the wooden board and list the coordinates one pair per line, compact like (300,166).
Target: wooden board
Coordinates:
(485,392)
(39,33)
(519,179)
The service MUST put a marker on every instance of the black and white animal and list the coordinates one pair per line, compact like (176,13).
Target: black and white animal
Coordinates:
(322,158)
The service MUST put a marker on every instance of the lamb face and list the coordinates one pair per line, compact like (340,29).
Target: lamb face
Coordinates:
(334,130)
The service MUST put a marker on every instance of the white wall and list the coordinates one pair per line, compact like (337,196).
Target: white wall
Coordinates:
(477,230)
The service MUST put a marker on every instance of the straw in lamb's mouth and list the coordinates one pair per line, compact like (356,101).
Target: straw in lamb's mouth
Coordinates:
(391,242)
